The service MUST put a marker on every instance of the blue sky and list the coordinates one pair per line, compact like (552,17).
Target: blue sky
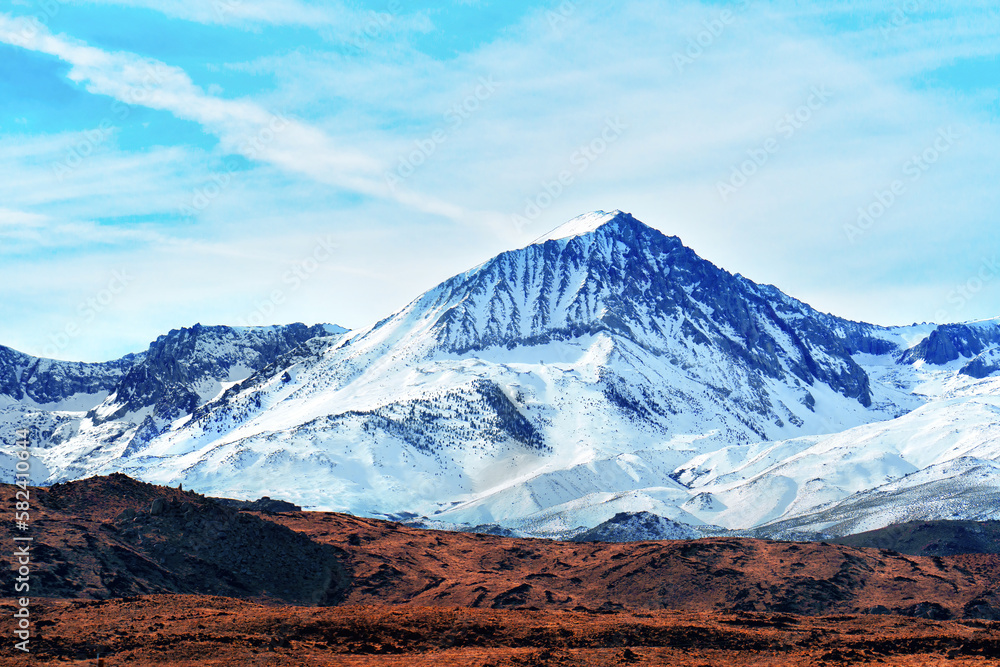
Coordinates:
(167,162)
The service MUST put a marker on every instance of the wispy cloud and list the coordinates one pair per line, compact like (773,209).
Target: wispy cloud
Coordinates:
(243,126)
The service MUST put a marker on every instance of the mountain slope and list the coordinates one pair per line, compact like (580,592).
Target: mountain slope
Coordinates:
(777,482)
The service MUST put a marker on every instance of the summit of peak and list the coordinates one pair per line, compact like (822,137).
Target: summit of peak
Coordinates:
(582,224)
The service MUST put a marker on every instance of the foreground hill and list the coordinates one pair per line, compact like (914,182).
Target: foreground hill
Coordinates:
(155,576)
(114,537)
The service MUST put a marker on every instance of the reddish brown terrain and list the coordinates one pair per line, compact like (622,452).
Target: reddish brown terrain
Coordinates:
(203,630)
(148,575)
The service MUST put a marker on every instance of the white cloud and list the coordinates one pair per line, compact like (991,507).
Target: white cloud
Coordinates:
(48,170)
(15,220)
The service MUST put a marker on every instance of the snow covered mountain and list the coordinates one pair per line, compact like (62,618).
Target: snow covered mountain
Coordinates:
(603,369)
(129,400)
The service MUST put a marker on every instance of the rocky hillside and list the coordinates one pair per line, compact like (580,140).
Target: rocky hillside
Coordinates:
(54,384)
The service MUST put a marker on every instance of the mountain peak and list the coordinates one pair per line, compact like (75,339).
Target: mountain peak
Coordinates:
(580,225)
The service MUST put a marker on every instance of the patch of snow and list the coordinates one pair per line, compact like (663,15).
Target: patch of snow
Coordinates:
(578,226)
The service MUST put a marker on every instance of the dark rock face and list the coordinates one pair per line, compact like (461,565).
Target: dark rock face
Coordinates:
(929,610)
(264,504)
(113,536)
(164,377)
(950,342)
(985,607)
(50,381)
(931,538)
(984,365)
(144,392)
